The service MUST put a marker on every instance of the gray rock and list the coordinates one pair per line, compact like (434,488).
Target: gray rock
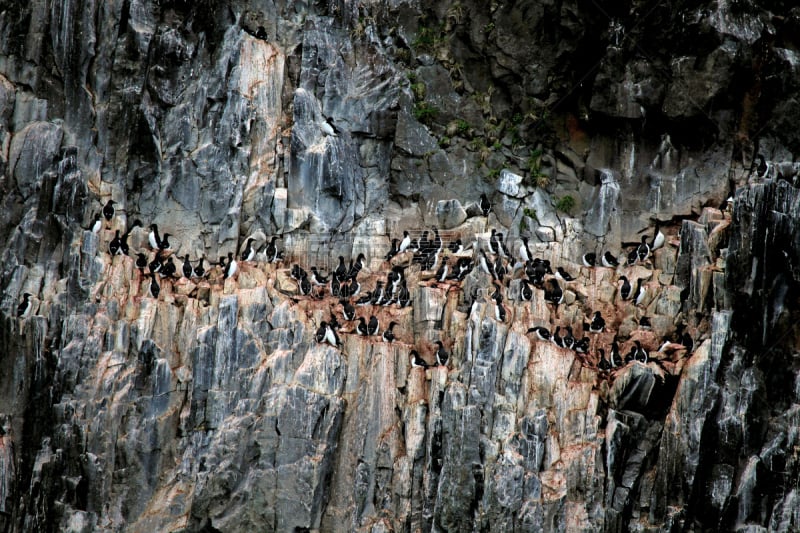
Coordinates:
(450,213)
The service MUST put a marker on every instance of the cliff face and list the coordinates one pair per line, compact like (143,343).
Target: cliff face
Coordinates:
(337,126)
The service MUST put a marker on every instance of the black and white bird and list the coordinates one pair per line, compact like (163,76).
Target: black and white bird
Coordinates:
(625,288)
(456,247)
(388,334)
(643,250)
(557,338)
(168,269)
(568,338)
(644,322)
(361,327)
(186,268)
(24,306)
(658,238)
(615,356)
(164,242)
(327,127)
(405,243)
(640,293)
(155,290)
(348,311)
(304,285)
(417,361)
(404,296)
(525,291)
(199,271)
(484,204)
(373,325)
(589,259)
(231,267)
(563,275)
(484,263)
(542,333)
(633,256)
(604,365)
(326,333)
(341,269)
(582,345)
(108,210)
(273,256)
(153,239)
(598,324)
(524,251)
(443,272)
(316,278)
(155,265)
(249,252)
(494,243)
(115,246)
(356,267)
(553,292)
(498,270)
(321,331)
(141,262)
(393,250)
(97,223)
(441,354)
(609,260)
(296,272)
(499,311)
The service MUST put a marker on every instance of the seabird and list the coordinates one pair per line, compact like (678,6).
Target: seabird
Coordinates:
(108,210)
(114,247)
(525,291)
(582,346)
(658,238)
(569,339)
(186,268)
(356,267)
(616,357)
(484,262)
(168,269)
(199,270)
(373,325)
(499,311)
(762,168)
(494,244)
(405,243)
(388,334)
(335,289)
(25,305)
(348,311)
(327,127)
(499,270)
(609,260)
(556,337)
(155,290)
(643,250)
(404,298)
(564,275)
(378,295)
(589,259)
(344,289)
(141,262)
(321,331)
(641,354)
(317,278)
(341,270)
(417,361)
(542,333)
(484,204)
(524,251)
(441,274)
(553,292)
(456,247)
(272,250)
(361,327)
(249,252)
(393,251)
(304,285)
(231,267)
(639,294)
(155,265)
(123,241)
(97,225)
(603,365)
(355,287)
(598,324)
(441,355)
(625,288)
(153,239)
(164,242)
(366,299)
(644,323)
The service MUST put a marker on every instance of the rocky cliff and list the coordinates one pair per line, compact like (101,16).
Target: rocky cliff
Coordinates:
(337,126)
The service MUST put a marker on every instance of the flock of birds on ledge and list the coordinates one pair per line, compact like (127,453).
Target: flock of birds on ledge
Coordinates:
(342,283)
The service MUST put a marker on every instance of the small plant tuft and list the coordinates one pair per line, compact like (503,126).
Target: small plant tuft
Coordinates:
(565,204)
(425,112)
